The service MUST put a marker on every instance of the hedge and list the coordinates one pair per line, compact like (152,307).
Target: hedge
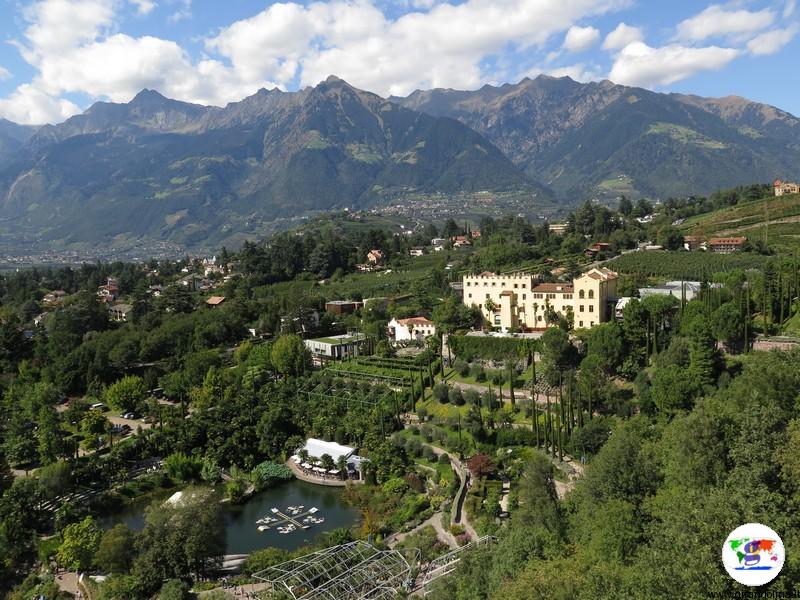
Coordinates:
(492,348)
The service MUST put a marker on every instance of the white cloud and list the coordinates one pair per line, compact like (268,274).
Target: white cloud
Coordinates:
(622,36)
(4,73)
(144,7)
(771,42)
(789,8)
(28,105)
(579,39)
(717,21)
(640,65)
(75,47)
(184,11)
(443,47)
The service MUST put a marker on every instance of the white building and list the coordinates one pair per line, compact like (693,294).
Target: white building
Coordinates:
(335,347)
(519,301)
(316,448)
(413,328)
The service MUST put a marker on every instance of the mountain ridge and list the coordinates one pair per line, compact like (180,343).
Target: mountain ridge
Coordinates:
(545,126)
(156,168)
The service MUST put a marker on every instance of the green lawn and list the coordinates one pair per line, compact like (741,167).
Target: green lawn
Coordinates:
(792,326)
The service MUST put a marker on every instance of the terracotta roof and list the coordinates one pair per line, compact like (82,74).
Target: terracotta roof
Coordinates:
(727,240)
(415,321)
(215,300)
(566,288)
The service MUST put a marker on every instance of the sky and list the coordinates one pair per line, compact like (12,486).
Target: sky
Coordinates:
(57,57)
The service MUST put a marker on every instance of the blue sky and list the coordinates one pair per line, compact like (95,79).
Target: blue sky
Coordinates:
(59,56)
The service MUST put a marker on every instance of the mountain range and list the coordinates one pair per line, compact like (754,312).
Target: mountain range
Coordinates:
(602,139)
(159,169)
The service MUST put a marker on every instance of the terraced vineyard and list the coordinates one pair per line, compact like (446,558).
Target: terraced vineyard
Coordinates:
(684,265)
(750,219)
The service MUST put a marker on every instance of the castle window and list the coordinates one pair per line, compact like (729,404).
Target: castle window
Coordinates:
(580,294)
(591,308)
(591,294)
(580,308)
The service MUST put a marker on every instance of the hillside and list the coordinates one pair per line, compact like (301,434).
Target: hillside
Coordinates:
(160,170)
(603,139)
(775,220)
(13,138)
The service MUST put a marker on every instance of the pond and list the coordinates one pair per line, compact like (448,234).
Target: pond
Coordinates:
(240,521)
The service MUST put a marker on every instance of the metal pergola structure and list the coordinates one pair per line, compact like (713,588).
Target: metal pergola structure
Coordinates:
(353,571)
(444,565)
(367,376)
(328,391)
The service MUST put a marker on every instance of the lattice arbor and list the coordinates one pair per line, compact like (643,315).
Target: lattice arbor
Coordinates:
(353,571)
(445,565)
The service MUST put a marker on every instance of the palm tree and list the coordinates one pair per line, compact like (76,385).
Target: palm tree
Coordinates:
(326,461)
(341,464)
(303,454)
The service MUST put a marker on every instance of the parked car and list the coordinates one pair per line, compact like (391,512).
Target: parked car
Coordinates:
(98,406)
(129,416)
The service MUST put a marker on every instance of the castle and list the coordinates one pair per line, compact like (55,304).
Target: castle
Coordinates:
(519,301)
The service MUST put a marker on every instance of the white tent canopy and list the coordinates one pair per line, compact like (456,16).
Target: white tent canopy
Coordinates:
(316,448)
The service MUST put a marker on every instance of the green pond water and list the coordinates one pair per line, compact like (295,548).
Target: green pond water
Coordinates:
(240,521)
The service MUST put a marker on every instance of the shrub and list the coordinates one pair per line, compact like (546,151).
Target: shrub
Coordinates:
(472,397)
(456,397)
(395,486)
(235,490)
(441,392)
(414,482)
(183,468)
(456,529)
(444,459)
(268,474)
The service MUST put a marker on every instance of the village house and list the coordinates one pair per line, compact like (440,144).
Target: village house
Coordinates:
(210,267)
(519,301)
(416,251)
(55,297)
(694,242)
(597,248)
(120,312)
(726,245)
(411,329)
(438,244)
(343,307)
(215,301)
(374,256)
(784,187)
(459,241)
(108,290)
(557,228)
